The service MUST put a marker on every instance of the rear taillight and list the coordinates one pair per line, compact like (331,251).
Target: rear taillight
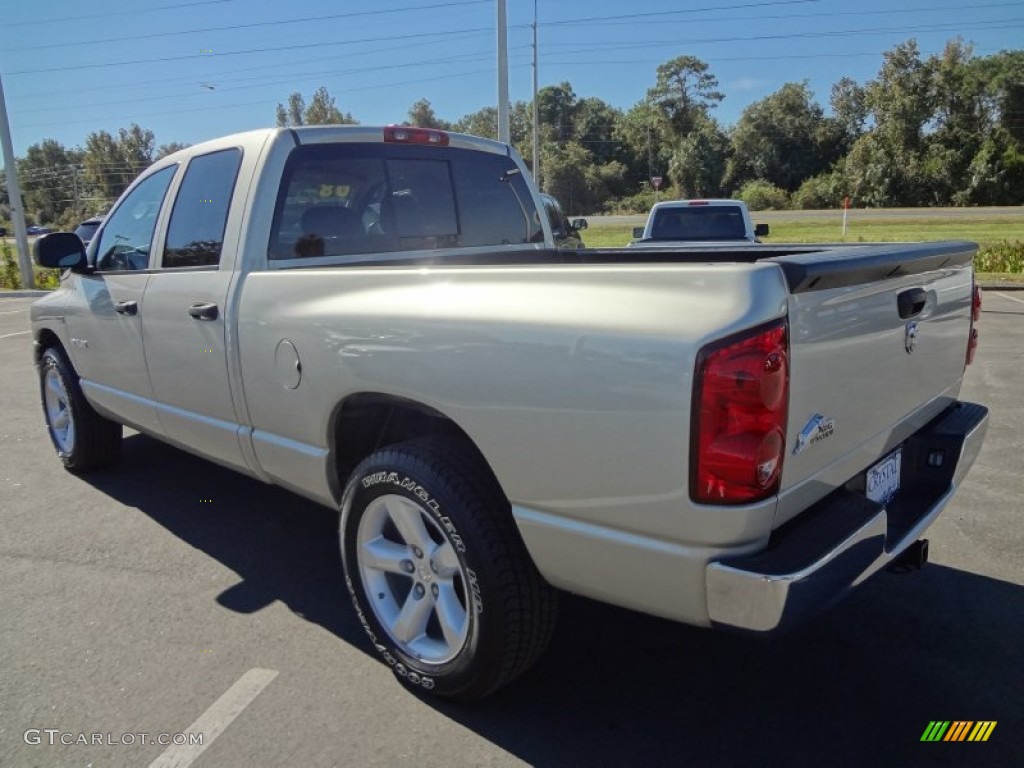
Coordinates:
(972,336)
(401,134)
(740,405)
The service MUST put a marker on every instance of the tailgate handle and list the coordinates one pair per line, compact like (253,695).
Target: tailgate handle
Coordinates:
(910,303)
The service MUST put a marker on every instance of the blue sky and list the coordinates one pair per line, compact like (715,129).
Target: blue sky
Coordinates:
(196,69)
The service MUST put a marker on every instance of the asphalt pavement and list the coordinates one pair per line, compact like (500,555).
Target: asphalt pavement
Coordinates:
(170,596)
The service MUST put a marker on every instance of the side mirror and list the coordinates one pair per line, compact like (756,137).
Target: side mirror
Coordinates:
(760,230)
(579,224)
(638,233)
(60,250)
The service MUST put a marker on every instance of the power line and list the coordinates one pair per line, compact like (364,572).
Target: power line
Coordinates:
(459,59)
(79,17)
(943,27)
(633,19)
(252,25)
(248,51)
(134,116)
(652,14)
(276,66)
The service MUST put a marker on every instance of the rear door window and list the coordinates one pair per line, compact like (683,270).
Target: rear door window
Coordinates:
(195,235)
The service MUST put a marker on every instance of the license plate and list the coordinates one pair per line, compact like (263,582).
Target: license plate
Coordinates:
(884,478)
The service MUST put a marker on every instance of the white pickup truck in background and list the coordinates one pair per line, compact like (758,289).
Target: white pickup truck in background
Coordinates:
(378,319)
(698,222)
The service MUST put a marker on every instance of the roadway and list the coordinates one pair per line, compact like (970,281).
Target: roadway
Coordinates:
(860,214)
(169,595)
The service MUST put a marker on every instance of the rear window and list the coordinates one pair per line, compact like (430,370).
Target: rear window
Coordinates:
(347,199)
(711,222)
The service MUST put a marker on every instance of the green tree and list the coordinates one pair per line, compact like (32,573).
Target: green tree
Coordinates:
(483,122)
(1004,73)
(685,91)
(579,184)
(556,109)
(783,139)
(322,110)
(422,114)
(112,163)
(594,127)
(647,143)
(169,149)
(699,162)
(901,99)
(849,110)
(50,183)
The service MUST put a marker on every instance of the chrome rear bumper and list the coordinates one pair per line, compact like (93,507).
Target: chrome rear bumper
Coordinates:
(817,558)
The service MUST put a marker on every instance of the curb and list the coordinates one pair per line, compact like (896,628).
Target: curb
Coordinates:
(23,294)
(1001,286)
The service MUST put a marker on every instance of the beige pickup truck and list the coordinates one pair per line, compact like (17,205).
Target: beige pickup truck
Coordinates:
(379,320)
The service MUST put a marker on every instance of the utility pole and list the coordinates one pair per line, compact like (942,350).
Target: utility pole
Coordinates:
(14,192)
(503,132)
(536,108)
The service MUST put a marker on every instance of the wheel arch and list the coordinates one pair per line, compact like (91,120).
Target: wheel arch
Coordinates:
(367,421)
(44,339)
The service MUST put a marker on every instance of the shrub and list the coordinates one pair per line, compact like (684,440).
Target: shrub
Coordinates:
(1002,257)
(641,202)
(10,273)
(761,195)
(819,192)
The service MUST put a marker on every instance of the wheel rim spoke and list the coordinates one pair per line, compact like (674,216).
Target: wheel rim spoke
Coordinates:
(383,555)
(58,411)
(411,622)
(54,386)
(451,615)
(409,521)
(61,422)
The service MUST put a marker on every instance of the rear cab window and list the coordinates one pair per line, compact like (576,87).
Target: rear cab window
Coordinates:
(713,222)
(349,199)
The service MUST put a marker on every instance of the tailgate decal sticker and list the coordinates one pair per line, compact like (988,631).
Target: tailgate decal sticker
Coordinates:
(817,429)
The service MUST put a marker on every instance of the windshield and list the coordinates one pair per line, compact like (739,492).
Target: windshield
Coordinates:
(718,222)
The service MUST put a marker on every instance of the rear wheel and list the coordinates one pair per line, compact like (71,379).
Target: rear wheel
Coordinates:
(84,440)
(438,573)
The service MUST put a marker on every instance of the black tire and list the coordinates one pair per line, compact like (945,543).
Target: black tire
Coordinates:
(93,441)
(509,610)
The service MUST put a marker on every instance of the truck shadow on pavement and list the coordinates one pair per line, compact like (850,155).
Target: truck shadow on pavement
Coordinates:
(282,547)
(856,688)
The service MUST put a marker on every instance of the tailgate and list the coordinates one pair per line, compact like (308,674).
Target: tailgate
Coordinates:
(878,338)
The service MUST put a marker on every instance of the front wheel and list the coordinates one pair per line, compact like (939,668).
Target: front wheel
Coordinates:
(438,573)
(84,440)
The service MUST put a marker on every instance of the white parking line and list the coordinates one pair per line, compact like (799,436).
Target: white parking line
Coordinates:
(218,717)
(1011,298)
(19,333)
(14,311)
